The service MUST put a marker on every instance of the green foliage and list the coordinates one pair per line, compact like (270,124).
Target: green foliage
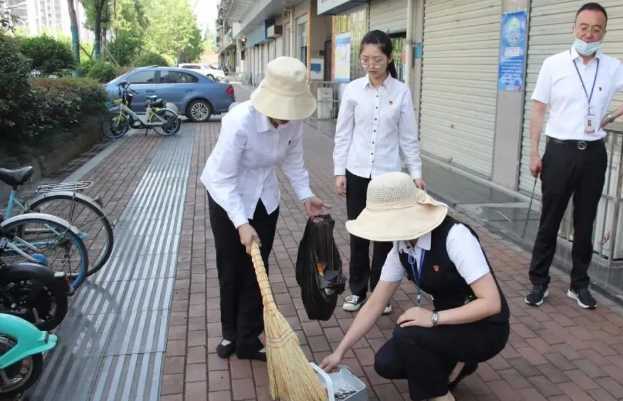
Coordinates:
(172,30)
(128,31)
(85,67)
(124,48)
(150,58)
(102,72)
(14,85)
(47,54)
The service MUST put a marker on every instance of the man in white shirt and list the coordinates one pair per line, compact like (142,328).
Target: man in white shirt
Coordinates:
(577,86)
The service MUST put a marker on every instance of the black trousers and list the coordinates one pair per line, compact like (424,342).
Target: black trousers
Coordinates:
(426,356)
(568,171)
(360,270)
(241,301)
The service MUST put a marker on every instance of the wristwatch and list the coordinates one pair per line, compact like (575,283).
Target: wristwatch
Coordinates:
(435,318)
(610,118)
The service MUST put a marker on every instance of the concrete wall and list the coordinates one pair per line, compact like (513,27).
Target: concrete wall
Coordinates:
(509,124)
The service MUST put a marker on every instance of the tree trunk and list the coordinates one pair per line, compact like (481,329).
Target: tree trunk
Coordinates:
(75,36)
(97,45)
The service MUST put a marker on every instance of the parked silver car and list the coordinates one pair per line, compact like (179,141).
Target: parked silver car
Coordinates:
(195,95)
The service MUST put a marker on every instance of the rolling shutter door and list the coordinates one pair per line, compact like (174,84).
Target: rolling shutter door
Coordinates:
(459,82)
(388,15)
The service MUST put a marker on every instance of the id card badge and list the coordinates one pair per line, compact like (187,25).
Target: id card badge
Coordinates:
(591,123)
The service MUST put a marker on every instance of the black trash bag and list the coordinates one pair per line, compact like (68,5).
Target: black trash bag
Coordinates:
(319,268)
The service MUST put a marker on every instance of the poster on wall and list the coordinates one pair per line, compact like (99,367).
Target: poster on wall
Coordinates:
(342,57)
(512,51)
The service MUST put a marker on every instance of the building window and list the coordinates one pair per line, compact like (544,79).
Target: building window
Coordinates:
(301,38)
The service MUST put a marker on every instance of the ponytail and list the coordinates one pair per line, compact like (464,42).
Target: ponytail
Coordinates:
(391,68)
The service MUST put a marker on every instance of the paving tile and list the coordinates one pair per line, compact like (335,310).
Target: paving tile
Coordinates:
(556,353)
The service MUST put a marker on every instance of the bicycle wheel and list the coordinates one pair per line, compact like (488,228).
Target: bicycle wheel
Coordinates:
(172,122)
(31,292)
(18,377)
(47,240)
(83,213)
(118,126)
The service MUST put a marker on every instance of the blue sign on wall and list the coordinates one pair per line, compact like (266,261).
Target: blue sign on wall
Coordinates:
(513,51)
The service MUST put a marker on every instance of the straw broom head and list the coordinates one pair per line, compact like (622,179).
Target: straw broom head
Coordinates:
(290,375)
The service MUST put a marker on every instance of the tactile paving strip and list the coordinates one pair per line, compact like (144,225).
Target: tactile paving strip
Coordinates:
(113,340)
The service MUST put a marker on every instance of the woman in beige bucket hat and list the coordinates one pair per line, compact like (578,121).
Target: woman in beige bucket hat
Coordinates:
(433,346)
(256,137)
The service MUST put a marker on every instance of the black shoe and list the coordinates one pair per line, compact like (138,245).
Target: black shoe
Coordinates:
(537,295)
(259,355)
(225,350)
(583,297)
(468,369)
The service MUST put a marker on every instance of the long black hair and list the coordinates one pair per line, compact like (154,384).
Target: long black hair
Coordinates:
(380,39)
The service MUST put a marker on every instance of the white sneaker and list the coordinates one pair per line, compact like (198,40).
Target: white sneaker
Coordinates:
(387,310)
(353,303)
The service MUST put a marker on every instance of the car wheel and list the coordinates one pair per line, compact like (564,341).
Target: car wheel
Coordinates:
(211,77)
(199,110)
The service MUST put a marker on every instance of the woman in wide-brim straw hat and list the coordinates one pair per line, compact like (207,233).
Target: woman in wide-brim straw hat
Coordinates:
(256,137)
(468,323)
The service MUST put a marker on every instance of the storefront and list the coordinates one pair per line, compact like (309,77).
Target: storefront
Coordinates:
(390,16)
(459,82)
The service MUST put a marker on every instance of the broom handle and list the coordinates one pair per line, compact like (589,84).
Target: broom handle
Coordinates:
(262,277)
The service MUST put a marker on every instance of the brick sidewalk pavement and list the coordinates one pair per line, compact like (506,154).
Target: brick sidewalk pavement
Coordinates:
(557,352)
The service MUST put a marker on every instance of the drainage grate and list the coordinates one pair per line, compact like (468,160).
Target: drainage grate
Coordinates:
(113,340)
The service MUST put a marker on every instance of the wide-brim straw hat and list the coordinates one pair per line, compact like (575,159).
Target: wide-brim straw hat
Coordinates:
(284,93)
(396,210)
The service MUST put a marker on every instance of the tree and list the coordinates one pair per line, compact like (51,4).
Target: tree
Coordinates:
(172,30)
(128,30)
(75,36)
(98,20)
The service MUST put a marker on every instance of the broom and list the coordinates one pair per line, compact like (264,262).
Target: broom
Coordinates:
(290,375)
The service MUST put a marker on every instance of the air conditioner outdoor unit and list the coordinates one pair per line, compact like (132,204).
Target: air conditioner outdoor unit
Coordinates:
(274,31)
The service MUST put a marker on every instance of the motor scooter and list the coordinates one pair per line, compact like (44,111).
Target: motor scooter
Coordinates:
(22,346)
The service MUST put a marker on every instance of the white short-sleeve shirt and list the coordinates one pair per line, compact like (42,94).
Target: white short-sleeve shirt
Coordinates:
(559,86)
(463,249)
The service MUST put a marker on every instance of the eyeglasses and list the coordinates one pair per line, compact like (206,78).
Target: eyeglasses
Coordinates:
(373,61)
(594,29)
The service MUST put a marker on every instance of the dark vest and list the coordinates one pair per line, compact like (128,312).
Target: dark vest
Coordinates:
(440,278)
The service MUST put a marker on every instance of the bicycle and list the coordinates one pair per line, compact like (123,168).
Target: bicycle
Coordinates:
(46,240)
(64,201)
(160,117)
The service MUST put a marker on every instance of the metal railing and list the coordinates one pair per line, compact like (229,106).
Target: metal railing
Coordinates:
(608,225)
(327,98)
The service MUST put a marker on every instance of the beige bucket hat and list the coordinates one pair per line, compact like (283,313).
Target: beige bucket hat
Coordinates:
(284,94)
(396,210)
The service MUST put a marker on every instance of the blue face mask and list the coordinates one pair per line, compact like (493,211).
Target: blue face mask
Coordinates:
(586,49)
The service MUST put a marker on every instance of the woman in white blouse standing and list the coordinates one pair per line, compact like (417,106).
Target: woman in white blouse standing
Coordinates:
(376,132)
(256,137)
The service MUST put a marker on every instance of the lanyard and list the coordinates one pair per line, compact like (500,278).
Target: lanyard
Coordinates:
(417,273)
(589,97)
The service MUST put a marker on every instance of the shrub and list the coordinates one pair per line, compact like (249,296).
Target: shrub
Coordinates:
(150,58)
(47,54)
(15,93)
(85,67)
(102,72)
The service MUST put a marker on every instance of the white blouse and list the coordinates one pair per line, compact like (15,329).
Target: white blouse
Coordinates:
(375,127)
